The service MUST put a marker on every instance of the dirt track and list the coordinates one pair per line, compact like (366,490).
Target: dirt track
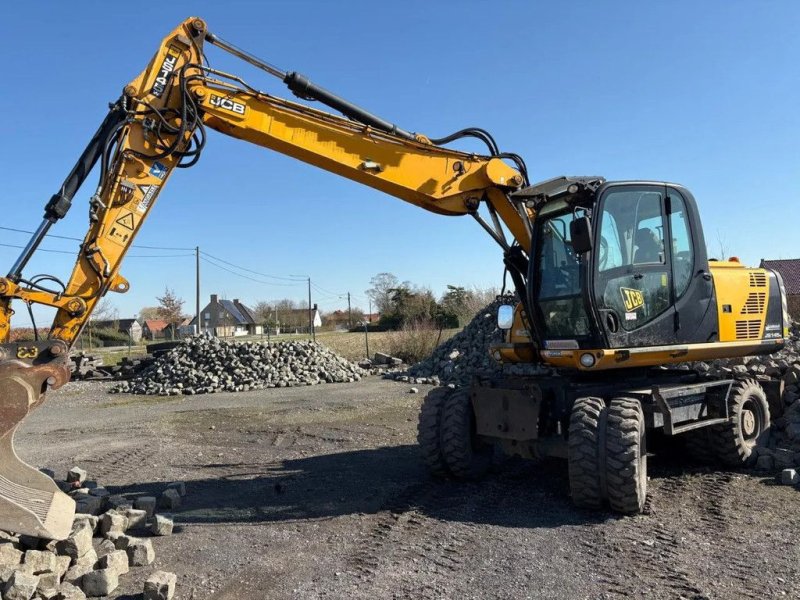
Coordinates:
(317,492)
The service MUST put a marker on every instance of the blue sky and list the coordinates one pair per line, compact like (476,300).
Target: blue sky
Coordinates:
(704,94)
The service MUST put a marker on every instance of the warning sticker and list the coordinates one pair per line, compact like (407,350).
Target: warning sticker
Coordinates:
(126,221)
(149,192)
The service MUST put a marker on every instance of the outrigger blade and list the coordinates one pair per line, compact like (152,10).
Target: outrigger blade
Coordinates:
(30,502)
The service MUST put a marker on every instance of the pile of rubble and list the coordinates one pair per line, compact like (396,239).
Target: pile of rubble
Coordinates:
(204,365)
(99,549)
(455,361)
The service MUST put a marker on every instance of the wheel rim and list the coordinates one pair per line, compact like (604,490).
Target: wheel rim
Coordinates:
(751,421)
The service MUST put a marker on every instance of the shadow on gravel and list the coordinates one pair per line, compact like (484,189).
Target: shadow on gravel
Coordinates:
(521,494)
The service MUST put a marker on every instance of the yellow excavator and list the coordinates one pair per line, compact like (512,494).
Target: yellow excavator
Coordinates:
(612,279)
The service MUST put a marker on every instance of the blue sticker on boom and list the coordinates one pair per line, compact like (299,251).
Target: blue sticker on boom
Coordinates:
(158,170)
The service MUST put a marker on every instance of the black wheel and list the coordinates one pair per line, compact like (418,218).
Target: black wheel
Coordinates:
(626,456)
(466,456)
(747,427)
(429,430)
(584,452)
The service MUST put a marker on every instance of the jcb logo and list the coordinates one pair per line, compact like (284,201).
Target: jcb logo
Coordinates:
(27,352)
(227,104)
(633,299)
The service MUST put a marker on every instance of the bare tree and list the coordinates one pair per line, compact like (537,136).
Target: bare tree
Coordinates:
(170,309)
(381,293)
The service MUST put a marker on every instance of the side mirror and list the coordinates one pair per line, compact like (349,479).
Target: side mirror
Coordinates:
(505,316)
(580,234)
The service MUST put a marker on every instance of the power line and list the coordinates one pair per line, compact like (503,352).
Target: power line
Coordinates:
(204,259)
(291,278)
(74,239)
(127,256)
(40,249)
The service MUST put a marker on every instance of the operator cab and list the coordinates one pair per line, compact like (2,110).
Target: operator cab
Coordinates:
(617,265)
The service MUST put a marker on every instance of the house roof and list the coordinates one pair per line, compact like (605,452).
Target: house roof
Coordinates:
(790,272)
(241,316)
(155,324)
(246,311)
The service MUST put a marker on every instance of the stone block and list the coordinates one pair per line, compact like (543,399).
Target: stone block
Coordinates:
(9,555)
(90,505)
(76,572)
(105,547)
(160,586)
(147,504)
(113,522)
(62,566)
(116,561)
(140,552)
(136,517)
(100,583)
(67,591)
(21,586)
(40,561)
(169,499)
(99,492)
(161,525)
(88,559)
(789,477)
(121,542)
(765,463)
(90,520)
(76,474)
(79,541)
(118,502)
(178,485)
(48,584)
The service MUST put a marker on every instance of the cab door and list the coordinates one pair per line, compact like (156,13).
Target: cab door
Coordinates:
(632,267)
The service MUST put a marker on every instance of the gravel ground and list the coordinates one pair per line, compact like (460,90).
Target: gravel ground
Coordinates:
(317,492)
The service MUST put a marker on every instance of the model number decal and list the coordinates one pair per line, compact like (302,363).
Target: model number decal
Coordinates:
(633,299)
(227,104)
(165,72)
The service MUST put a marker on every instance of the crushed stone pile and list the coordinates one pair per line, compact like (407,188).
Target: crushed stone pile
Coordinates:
(112,535)
(455,361)
(205,365)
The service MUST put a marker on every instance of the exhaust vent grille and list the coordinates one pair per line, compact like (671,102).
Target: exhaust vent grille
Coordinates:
(755,303)
(748,330)
(758,279)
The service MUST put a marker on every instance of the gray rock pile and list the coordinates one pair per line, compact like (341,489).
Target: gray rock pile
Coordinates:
(110,535)
(465,354)
(204,365)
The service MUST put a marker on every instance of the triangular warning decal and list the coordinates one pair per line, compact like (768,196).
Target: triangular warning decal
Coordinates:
(126,221)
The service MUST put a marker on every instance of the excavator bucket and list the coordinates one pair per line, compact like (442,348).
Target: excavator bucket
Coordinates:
(30,502)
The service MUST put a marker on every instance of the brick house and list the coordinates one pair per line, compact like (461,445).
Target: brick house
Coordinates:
(227,318)
(789,270)
(155,329)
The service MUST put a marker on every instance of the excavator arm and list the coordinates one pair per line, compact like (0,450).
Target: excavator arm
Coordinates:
(159,125)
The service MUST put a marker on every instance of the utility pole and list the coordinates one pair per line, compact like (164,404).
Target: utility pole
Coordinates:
(310,318)
(197,288)
(369,318)
(349,313)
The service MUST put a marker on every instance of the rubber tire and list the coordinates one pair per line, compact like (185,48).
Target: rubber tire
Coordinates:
(583,456)
(728,439)
(466,456)
(626,456)
(429,431)
(699,446)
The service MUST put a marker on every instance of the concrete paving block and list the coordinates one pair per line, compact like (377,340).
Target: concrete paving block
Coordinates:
(100,583)
(160,586)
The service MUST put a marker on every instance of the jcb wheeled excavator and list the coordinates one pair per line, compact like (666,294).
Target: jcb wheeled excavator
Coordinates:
(612,280)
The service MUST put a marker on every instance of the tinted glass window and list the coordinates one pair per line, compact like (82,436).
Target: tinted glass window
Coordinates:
(682,253)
